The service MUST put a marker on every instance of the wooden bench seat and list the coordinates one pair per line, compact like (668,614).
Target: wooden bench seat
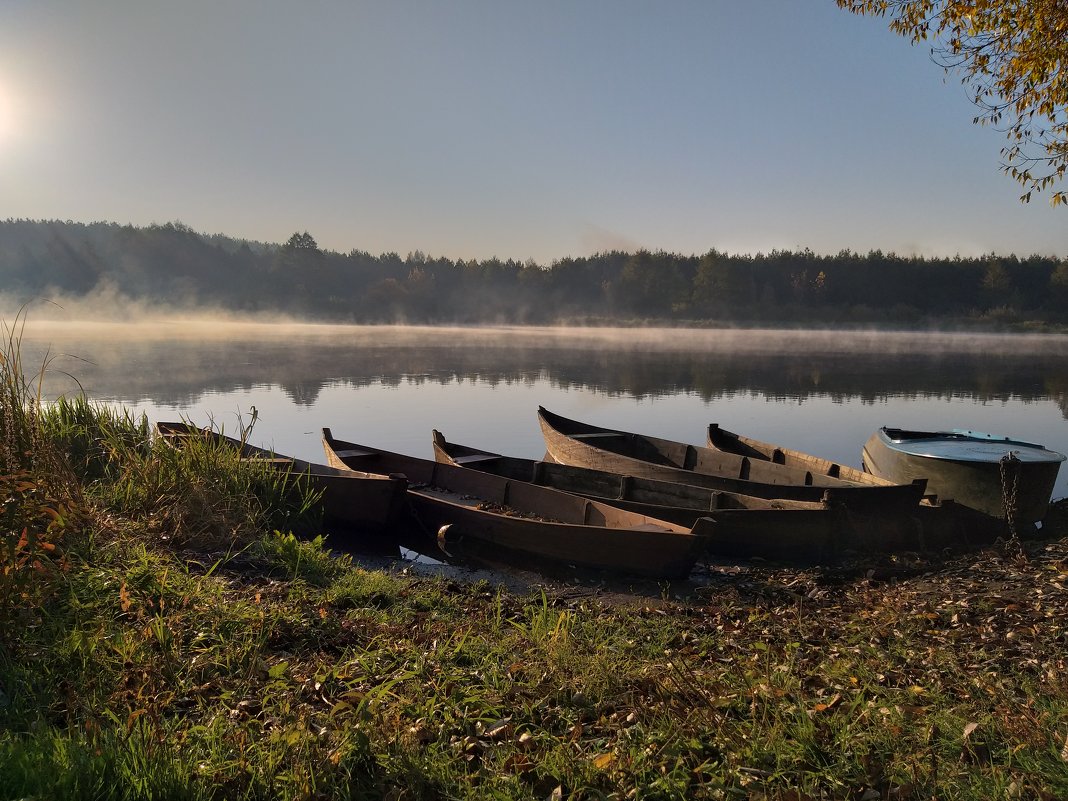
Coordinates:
(353,453)
(474,458)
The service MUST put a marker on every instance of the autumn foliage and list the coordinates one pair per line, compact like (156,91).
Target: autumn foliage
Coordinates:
(1012,54)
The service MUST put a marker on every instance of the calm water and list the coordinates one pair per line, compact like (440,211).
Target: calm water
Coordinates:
(822,392)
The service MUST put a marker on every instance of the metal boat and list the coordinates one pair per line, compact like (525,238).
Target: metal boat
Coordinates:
(1000,476)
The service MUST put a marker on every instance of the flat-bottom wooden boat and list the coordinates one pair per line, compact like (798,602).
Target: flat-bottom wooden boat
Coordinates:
(585,445)
(684,504)
(985,472)
(721,439)
(739,525)
(525,518)
(363,501)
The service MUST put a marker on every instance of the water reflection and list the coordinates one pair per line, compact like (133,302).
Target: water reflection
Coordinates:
(177,364)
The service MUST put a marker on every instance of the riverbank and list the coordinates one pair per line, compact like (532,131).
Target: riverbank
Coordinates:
(160,639)
(282,672)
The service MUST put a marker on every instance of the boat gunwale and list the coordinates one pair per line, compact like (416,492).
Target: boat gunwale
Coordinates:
(1032,453)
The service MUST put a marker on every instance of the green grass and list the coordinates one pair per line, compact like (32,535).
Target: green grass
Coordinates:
(164,637)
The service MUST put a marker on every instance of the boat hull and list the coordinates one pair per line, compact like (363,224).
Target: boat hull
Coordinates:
(974,482)
(791,535)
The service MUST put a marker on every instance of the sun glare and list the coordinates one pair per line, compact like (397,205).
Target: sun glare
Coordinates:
(7,115)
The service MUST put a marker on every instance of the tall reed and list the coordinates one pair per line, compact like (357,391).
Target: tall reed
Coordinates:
(40,494)
(198,492)
(205,494)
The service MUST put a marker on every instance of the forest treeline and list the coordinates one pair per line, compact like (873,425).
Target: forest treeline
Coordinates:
(174,265)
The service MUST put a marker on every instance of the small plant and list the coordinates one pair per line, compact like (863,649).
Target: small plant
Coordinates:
(356,587)
(294,558)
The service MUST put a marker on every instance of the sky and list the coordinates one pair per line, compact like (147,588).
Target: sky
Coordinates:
(527,130)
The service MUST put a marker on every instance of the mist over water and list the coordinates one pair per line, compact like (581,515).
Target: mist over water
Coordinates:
(389,386)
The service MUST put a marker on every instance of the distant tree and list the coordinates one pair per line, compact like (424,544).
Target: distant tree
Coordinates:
(721,283)
(1058,285)
(420,294)
(386,301)
(301,243)
(1013,55)
(298,271)
(653,284)
(995,279)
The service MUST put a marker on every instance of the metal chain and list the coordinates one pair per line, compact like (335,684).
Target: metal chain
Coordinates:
(1009,500)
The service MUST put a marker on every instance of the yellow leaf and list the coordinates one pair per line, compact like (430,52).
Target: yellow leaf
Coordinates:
(603,761)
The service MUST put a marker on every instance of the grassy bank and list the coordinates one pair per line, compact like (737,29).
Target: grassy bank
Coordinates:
(159,638)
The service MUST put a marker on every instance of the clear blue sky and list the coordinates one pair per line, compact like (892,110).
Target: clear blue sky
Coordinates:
(522,130)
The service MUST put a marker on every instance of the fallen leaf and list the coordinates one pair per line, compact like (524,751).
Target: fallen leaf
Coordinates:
(830,704)
(498,729)
(603,761)
(518,763)
(910,712)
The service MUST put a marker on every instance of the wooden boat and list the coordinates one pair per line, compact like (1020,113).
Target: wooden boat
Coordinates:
(525,518)
(684,504)
(370,502)
(584,445)
(972,468)
(724,440)
(739,525)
